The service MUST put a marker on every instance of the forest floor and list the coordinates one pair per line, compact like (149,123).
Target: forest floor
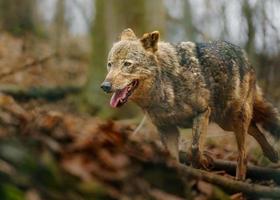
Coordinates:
(49,150)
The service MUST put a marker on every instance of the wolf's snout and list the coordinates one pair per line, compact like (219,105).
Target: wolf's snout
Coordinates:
(106,86)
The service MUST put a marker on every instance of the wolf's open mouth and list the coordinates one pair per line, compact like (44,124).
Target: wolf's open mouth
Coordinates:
(120,97)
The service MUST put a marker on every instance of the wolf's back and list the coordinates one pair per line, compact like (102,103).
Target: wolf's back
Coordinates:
(227,74)
(222,56)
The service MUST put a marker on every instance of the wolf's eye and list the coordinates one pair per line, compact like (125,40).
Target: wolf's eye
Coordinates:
(127,63)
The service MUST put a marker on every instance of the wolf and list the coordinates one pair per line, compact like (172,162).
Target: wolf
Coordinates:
(188,85)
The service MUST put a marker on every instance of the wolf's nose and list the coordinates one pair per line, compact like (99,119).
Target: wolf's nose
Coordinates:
(106,86)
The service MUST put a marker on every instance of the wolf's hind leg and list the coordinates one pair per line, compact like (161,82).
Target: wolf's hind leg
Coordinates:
(199,132)
(267,149)
(170,139)
(241,126)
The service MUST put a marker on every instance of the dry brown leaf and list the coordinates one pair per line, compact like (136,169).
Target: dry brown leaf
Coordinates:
(205,188)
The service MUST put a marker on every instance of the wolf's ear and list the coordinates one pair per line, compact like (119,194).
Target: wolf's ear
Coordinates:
(150,41)
(128,34)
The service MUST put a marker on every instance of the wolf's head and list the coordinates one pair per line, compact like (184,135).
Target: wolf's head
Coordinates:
(131,66)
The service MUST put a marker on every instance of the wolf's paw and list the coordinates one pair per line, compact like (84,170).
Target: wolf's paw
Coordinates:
(203,160)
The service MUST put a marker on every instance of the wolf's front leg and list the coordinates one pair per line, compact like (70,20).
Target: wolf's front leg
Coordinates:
(199,131)
(170,139)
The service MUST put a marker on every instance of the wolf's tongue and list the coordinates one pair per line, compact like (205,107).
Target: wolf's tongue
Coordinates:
(117,97)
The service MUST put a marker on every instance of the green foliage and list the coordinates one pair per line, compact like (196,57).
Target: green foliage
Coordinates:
(10,192)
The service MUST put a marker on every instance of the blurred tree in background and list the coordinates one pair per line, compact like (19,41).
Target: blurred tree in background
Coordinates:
(59,24)
(18,16)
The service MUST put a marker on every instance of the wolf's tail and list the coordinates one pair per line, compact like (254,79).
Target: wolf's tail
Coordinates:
(266,115)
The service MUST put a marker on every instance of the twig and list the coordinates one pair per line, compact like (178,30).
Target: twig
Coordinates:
(140,125)
(252,190)
(26,66)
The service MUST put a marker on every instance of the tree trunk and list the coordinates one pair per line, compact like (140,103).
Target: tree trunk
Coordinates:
(248,14)
(17,16)
(187,21)
(60,25)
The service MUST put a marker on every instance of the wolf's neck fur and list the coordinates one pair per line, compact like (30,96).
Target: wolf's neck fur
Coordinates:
(169,81)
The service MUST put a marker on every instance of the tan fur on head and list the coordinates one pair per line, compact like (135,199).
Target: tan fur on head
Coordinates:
(128,34)
(150,41)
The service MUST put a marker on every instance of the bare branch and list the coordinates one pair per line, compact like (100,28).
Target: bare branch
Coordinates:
(26,66)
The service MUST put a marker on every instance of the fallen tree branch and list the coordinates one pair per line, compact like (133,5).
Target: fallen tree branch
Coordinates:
(27,65)
(252,190)
(50,94)
(253,172)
